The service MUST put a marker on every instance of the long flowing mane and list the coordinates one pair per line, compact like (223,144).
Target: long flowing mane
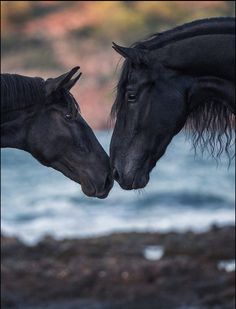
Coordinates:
(18,92)
(211,125)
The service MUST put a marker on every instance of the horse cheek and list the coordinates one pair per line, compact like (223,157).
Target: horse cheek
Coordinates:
(39,139)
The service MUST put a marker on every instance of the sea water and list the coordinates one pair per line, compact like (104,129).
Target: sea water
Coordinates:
(184,192)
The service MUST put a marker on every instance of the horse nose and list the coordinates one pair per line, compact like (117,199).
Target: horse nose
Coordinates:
(115,174)
(108,181)
(105,189)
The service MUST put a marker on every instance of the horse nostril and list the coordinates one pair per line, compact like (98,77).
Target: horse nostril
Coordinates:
(115,174)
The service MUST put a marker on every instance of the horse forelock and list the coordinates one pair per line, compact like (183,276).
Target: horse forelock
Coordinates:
(121,88)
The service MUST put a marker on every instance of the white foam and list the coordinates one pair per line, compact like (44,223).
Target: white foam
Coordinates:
(153,253)
(227,265)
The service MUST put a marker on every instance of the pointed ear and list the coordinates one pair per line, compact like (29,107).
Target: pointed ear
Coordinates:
(54,84)
(136,55)
(212,88)
(72,82)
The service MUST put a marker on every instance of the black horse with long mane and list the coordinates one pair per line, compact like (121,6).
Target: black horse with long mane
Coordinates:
(182,77)
(43,118)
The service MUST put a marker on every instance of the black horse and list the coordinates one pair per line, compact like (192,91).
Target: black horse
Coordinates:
(43,118)
(181,77)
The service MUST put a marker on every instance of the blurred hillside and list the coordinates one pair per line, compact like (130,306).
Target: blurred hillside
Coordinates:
(46,38)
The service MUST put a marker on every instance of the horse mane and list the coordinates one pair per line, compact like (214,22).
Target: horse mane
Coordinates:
(18,92)
(210,125)
(215,25)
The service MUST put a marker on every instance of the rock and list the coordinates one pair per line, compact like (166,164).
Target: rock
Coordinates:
(112,272)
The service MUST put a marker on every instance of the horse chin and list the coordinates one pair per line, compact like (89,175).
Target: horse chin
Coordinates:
(138,177)
(139,181)
(89,183)
(88,190)
(100,195)
(94,187)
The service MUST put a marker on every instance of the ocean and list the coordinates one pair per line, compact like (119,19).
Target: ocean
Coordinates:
(185,192)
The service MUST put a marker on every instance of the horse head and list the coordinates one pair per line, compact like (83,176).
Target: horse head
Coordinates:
(64,141)
(184,76)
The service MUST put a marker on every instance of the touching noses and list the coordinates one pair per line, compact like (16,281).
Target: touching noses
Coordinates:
(108,182)
(115,174)
(107,185)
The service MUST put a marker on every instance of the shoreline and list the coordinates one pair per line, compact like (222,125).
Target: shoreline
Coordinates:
(122,270)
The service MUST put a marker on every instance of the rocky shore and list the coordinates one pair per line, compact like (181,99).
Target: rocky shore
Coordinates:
(126,270)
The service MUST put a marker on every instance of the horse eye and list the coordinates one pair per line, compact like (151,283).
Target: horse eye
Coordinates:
(68,116)
(131,97)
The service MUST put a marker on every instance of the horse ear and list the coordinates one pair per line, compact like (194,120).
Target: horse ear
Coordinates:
(136,55)
(212,88)
(53,84)
(72,82)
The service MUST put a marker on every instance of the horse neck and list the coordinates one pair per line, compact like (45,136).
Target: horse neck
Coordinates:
(212,90)
(217,25)
(19,99)
(13,132)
